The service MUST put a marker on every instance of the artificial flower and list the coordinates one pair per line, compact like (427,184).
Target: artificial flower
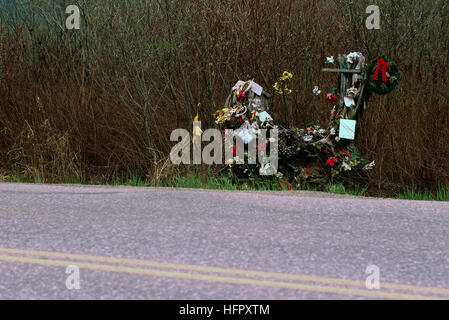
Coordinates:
(308,138)
(370,166)
(331,162)
(331,97)
(287,75)
(346,166)
(352,57)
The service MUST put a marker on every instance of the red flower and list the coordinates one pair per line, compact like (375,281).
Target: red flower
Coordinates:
(240,120)
(241,95)
(345,154)
(331,97)
(308,172)
(331,161)
(325,151)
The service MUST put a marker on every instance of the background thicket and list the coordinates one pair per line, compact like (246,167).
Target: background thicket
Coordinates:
(99,103)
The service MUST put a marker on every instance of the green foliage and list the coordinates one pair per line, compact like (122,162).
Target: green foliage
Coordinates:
(340,188)
(441,194)
(378,86)
(221,182)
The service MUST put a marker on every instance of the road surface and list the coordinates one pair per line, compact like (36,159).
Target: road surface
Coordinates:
(150,243)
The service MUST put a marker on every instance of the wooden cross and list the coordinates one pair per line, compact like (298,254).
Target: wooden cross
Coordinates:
(344,74)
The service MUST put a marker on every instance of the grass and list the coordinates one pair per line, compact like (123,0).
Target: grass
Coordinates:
(340,188)
(441,194)
(197,180)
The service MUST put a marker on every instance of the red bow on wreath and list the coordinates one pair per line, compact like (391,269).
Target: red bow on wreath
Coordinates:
(381,63)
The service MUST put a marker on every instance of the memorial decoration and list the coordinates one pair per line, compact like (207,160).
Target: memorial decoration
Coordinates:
(315,154)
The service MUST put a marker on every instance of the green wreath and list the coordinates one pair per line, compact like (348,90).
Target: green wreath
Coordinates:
(378,85)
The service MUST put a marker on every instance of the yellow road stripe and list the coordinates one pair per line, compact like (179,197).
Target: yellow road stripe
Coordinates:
(325,280)
(203,277)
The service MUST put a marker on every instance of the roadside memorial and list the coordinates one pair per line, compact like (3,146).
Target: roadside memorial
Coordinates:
(315,154)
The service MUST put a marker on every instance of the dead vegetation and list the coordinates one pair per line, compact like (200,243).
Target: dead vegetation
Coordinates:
(101,102)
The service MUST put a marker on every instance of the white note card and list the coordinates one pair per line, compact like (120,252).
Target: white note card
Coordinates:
(347,129)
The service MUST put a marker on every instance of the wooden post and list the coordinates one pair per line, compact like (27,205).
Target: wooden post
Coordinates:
(343,74)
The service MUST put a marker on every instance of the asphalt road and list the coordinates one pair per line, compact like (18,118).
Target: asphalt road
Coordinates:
(146,243)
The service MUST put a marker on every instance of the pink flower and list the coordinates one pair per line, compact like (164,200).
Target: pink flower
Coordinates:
(331,97)
(241,95)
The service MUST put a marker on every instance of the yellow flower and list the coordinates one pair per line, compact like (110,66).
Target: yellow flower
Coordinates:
(287,75)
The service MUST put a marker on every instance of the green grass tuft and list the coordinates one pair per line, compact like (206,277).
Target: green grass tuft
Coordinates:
(441,194)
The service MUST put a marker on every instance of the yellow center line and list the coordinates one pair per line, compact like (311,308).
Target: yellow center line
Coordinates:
(325,280)
(231,280)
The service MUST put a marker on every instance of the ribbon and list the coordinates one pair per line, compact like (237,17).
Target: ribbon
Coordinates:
(381,63)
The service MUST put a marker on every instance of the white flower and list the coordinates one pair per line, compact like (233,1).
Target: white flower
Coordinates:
(308,138)
(370,166)
(316,91)
(337,139)
(330,60)
(352,57)
(322,131)
(332,132)
(266,170)
(346,166)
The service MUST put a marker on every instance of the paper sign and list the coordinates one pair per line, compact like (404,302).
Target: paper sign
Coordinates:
(256,89)
(238,84)
(347,129)
(264,116)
